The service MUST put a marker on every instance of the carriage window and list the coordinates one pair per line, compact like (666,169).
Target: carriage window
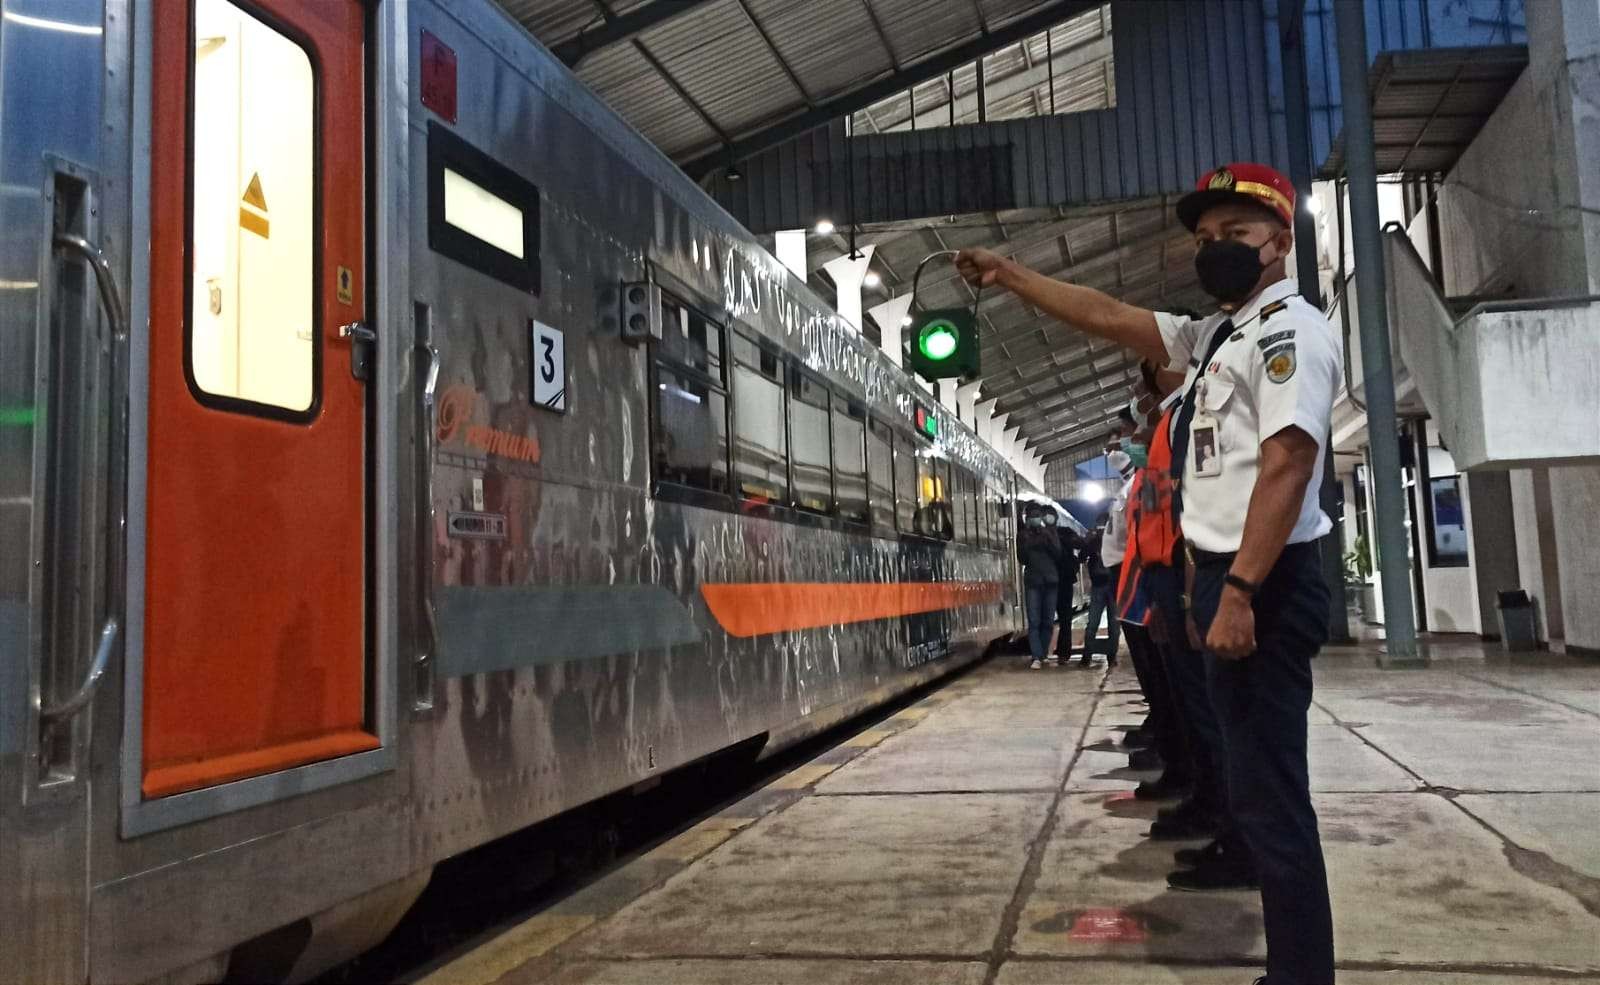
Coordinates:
(965,507)
(880,473)
(689,440)
(907,482)
(934,516)
(960,504)
(849,458)
(991,526)
(252,315)
(690,339)
(808,430)
(761,448)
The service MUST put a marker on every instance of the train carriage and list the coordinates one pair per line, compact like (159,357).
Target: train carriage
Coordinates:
(399,451)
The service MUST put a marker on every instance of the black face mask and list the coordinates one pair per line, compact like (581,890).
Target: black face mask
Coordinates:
(1228,269)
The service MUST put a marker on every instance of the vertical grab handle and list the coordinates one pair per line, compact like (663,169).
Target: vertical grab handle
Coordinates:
(428,630)
(105,281)
(79,476)
(111,301)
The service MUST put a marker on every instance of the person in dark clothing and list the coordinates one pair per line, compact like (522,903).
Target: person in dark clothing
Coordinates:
(1072,550)
(1102,596)
(1039,551)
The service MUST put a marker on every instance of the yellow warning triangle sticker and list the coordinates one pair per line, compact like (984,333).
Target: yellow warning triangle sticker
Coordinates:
(253,208)
(253,194)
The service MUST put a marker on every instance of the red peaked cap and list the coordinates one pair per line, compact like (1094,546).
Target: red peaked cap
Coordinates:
(1255,183)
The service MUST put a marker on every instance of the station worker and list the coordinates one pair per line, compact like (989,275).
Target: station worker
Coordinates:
(1260,379)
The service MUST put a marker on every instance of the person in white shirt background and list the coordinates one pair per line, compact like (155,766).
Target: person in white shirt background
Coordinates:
(1261,378)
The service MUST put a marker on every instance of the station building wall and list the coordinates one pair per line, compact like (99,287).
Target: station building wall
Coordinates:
(1520,213)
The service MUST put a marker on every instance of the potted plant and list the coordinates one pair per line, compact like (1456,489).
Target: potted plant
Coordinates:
(1358,578)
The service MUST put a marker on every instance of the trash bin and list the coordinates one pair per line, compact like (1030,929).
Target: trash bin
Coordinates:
(1517,631)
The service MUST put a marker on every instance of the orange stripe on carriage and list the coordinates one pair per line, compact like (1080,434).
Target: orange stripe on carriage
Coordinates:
(758,608)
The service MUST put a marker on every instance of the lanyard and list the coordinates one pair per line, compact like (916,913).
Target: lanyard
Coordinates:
(1180,433)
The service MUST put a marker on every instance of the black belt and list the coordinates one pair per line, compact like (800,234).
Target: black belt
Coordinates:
(1208,558)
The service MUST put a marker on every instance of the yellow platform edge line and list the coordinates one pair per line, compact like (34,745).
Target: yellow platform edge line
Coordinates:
(493,960)
(866,740)
(802,776)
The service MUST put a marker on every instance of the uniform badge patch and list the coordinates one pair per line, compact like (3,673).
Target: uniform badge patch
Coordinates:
(1280,364)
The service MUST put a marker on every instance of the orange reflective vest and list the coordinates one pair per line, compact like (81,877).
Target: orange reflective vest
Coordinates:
(1153,532)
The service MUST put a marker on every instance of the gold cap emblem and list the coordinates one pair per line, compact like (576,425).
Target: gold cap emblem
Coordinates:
(1223,179)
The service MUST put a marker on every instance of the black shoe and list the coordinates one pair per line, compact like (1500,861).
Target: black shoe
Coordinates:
(1218,873)
(1183,828)
(1188,807)
(1139,738)
(1190,858)
(1144,759)
(1163,788)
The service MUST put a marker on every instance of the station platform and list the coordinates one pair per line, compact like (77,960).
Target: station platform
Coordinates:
(987,835)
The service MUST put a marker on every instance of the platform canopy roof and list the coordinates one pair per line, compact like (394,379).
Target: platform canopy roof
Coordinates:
(705,78)
(1428,105)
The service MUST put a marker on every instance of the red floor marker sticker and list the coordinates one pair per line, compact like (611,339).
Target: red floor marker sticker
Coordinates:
(1107,924)
(1119,797)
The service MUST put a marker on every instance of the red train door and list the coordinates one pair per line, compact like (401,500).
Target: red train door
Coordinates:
(255,654)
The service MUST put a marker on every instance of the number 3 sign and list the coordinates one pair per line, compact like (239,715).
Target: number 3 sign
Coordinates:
(548,368)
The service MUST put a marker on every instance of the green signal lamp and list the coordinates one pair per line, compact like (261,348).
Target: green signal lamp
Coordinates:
(938,341)
(941,343)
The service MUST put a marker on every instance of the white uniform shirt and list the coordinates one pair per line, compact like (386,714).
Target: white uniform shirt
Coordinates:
(1114,540)
(1280,367)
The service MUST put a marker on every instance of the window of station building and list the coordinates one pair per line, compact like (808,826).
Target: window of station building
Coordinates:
(761,446)
(689,437)
(809,442)
(880,473)
(253,323)
(850,459)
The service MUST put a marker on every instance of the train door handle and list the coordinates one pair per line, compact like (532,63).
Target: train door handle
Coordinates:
(91,680)
(363,340)
(105,281)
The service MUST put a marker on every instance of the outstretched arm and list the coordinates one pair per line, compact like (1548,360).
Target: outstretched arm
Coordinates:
(1083,308)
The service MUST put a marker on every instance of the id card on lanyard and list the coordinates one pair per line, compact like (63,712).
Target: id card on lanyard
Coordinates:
(1204,447)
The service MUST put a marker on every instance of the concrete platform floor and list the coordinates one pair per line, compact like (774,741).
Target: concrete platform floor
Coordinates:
(987,836)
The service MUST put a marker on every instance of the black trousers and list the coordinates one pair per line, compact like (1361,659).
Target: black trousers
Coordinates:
(1261,703)
(1186,673)
(1165,717)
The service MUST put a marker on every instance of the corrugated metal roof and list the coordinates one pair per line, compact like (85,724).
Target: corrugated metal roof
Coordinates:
(811,44)
(1428,105)
(811,51)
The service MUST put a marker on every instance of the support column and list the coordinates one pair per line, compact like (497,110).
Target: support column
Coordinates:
(1377,367)
(983,420)
(891,316)
(847,273)
(966,402)
(1297,114)
(947,394)
(789,246)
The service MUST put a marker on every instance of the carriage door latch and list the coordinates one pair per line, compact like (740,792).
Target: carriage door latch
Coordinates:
(363,340)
